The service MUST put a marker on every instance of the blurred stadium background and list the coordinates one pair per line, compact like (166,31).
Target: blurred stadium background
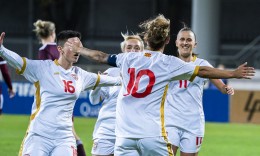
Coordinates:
(228,32)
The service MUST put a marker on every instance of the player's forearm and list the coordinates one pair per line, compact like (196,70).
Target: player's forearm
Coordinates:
(95,96)
(220,85)
(11,57)
(6,76)
(95,55)
(109,81)
(214,73)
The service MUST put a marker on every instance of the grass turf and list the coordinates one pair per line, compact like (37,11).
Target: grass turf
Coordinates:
(221,139)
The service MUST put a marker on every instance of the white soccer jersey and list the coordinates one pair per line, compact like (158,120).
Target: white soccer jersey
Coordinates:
(183,108)
(105,124)
(140,105)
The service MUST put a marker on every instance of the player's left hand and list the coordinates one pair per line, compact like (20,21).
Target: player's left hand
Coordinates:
(230,90)
(11,93)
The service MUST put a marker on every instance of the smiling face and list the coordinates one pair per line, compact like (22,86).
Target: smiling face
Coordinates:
(133,45)
(185,43)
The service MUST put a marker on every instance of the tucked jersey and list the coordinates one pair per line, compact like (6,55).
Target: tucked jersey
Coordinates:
(183,108)
(56,91)
(140,105)
(48,52)
(105,124)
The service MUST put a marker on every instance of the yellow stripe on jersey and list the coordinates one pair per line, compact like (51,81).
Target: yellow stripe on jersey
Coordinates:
(169,146)
(38,99)
(21,147)
(38,102)
(97,83)
(194,58)
(195,73)
(23,67)
(56,62)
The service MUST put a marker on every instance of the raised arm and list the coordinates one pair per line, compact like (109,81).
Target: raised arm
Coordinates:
(11,57)
(242,72)
(76,46)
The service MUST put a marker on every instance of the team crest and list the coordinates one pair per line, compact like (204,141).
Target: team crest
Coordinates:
(147,54)
(75,76)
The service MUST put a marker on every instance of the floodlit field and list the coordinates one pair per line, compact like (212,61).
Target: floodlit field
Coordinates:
(220,139)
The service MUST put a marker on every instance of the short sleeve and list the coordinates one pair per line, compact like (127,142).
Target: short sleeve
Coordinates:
(180,70)
(89,80)
(32,70)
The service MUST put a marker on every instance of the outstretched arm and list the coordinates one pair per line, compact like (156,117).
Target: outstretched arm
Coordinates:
(76,46)
(242,72)
(11,57)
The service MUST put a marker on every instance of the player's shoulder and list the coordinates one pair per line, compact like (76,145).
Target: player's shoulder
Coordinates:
(201,62)
(47,46)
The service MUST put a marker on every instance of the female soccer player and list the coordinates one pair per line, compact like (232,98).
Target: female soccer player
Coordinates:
(184,115)
(104,132)
(140,125)
(57,87)
(45,31)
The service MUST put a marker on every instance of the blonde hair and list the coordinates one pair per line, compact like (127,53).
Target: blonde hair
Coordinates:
(156,31)
(127,37)
(43,29)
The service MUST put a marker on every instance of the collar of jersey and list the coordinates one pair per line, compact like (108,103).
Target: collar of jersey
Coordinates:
(194,58)
(62,69)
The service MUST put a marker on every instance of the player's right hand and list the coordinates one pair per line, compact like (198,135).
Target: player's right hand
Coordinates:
(2,38)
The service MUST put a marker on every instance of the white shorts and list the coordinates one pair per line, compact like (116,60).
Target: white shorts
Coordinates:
(186,141)
(142,147)
(35,144)
(103,146)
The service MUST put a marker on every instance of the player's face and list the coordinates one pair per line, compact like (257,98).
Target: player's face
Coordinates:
(133,45)
(185,43)
(69,55)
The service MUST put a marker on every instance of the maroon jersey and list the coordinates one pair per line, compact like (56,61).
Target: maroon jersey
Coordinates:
(48,52)
(6,76)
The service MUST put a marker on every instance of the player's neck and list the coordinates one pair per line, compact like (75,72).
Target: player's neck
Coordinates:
(186,59)
(47,40)
(160,49)
(64,64)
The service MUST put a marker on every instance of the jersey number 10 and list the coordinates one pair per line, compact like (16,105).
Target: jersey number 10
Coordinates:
(133,83)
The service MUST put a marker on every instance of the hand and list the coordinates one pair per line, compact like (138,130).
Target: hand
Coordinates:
(229,90)
(2,38)
(102,73)
(11,93)
(74,44)
(244,72)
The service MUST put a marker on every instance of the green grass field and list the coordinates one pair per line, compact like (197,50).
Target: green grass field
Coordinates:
(220,139)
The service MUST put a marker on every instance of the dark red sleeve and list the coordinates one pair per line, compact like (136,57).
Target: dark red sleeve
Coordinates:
(6,76)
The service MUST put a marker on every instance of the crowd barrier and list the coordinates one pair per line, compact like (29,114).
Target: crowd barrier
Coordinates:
(243,107)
